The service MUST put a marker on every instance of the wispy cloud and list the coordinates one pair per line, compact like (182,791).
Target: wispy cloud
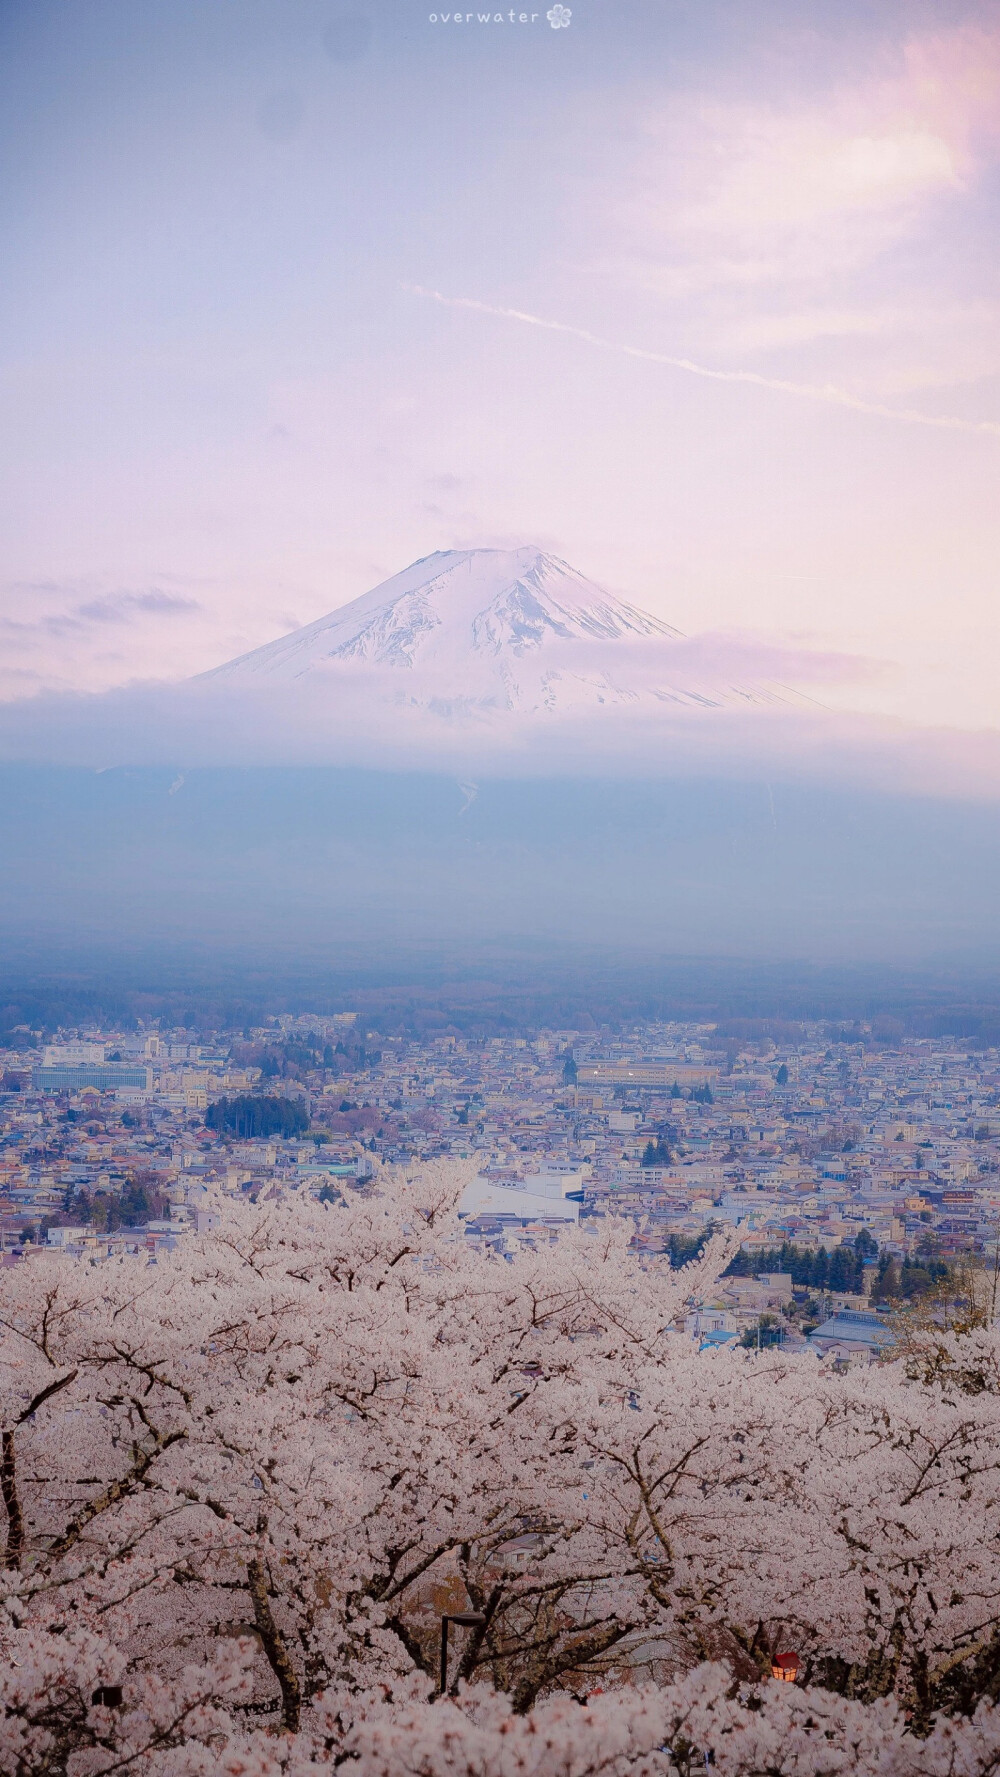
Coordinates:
(834,221)
(114,607)
(733,654)
(62,636)
(783,189)
(768,332)
(122,607)
(824,392)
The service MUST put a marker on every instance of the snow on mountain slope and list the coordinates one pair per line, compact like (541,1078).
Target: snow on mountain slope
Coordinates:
(487,630)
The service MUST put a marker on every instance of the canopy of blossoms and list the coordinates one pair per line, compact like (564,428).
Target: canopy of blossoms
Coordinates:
(244,1485)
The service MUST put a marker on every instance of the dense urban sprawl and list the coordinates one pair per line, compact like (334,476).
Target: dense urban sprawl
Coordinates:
(853,1166)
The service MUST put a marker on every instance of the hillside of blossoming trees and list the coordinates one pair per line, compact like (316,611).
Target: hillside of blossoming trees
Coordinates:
(243,1485)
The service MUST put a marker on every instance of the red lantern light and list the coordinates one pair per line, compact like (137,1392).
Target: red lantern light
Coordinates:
(785,1667)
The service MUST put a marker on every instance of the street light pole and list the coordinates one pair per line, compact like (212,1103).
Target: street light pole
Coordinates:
(463,1619)
(996,1274)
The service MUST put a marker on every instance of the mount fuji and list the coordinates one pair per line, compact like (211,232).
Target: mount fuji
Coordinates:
(489,747)
(480,632)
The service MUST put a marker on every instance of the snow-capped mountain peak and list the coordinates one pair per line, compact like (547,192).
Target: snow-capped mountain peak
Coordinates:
(479,601)
(480,630)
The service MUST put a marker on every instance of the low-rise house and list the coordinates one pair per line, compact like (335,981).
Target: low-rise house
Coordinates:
(853,1331)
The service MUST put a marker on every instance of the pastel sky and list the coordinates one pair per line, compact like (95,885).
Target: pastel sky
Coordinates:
(270,323)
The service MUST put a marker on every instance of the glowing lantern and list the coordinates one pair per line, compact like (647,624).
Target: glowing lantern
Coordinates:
(785,1667)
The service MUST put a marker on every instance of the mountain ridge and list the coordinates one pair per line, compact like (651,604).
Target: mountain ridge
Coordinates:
(490,629)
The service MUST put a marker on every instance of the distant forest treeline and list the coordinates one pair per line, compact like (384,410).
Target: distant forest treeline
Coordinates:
(747,1002)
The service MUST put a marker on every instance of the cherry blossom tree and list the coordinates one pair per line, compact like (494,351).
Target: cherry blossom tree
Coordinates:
(243,1484)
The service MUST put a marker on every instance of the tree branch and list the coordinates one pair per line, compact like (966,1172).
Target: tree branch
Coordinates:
(15,1518)
(113,1493)
(8,1473)
(273,1643)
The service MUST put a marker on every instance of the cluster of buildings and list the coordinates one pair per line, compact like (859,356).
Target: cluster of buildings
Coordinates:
(681,1128)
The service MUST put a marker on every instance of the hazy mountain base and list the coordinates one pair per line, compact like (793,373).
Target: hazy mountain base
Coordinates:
(373,871)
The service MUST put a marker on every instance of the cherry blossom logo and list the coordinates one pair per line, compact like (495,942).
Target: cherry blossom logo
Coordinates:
(558,16)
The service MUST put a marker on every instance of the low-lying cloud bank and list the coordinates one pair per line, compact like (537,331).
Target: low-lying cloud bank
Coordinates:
(371,721)
(310,860)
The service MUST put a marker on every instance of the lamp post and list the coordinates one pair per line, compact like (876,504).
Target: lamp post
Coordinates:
(463,1619)
(996,1274)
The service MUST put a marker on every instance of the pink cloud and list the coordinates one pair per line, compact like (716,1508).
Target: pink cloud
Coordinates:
(756,191)
(738,654)
(952,81)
